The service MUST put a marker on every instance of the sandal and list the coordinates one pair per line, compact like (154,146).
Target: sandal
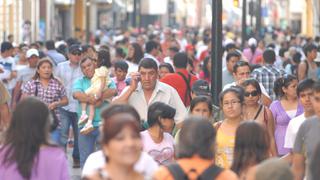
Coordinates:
(83,119)
(88,128)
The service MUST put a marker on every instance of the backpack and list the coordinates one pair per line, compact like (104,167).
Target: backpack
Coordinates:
(208,174)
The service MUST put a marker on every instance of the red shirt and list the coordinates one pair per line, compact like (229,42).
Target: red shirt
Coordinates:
(176,81)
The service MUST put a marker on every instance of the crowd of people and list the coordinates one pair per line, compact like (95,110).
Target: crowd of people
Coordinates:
(139,107)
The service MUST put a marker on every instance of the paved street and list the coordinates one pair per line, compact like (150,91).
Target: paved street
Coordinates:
(75,173)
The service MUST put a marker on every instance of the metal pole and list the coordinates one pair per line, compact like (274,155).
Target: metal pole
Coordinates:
(258,19)
(244,23)
(216,50)
(134,19)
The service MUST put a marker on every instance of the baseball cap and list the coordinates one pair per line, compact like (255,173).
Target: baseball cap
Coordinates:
(201,88)
(75,49)
(252,42)
(32,52)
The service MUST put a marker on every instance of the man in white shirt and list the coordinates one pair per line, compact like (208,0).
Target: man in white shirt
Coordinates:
(149,90)
(304,92)
(8,71)
(241,72)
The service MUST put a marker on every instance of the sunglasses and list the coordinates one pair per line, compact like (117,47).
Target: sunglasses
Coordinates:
(76,53)
(253,93)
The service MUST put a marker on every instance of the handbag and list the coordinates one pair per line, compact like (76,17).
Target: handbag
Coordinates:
(53,115)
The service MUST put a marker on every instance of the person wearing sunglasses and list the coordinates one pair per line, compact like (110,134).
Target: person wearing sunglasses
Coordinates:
(254,110)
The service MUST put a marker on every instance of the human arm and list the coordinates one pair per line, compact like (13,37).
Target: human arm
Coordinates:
(16,93)
(125,95)
(298,166)
(4,116)
(271,129)
(302,68)
(62,102)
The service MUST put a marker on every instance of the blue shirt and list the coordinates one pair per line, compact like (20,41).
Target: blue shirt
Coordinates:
(81,85)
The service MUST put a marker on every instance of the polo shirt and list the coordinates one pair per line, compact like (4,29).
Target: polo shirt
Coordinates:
(176,81)
(81,85)
(162,93)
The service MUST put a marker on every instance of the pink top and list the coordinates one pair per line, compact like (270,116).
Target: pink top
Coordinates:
(120,85)
(162,152)
(252,58)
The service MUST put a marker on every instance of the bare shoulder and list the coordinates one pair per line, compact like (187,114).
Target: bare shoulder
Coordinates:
(227,175)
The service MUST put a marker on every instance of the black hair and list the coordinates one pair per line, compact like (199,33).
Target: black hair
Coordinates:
(159,110)
(205,70)
(150,45)
(5,46)
(200,99)
(180,60)
(252,82)
(316,87)
(237,90)
(230,46)
(104,59)
(28,131)
(138,53)
(148,63)
(269,56)
(240,64)
(168,66)
(282,51)
(283,82)
(305,85)
(123,65)
(297,57)
(308,48)
(50,45)
(120,52)
(22,45)
(197,137)
(232,54)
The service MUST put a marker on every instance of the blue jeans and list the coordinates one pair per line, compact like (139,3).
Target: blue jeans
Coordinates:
(68,118)
(55,136)
(87,144)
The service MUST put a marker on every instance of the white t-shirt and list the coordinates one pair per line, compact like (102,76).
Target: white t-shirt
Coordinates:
(292,130)
(263,89)
(8,65)
(145,165)
(162,152)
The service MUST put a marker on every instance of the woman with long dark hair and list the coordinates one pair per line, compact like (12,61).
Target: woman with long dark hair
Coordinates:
(254,110)
(287,107)
(49,90)
(251,147)
(135,54)
(27,152)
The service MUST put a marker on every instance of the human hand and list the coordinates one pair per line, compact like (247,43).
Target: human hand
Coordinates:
(53,105)
(135,78)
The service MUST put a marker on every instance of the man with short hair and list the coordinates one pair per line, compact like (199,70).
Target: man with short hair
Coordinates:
(68,72)
(8,71)
(88,139)
(53,54)
(241,72)
(268,73)
(181,80)
(307,139)
(145,89)
(25,74)
(308,68)
(152,50)
(232,58)
(304,92)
